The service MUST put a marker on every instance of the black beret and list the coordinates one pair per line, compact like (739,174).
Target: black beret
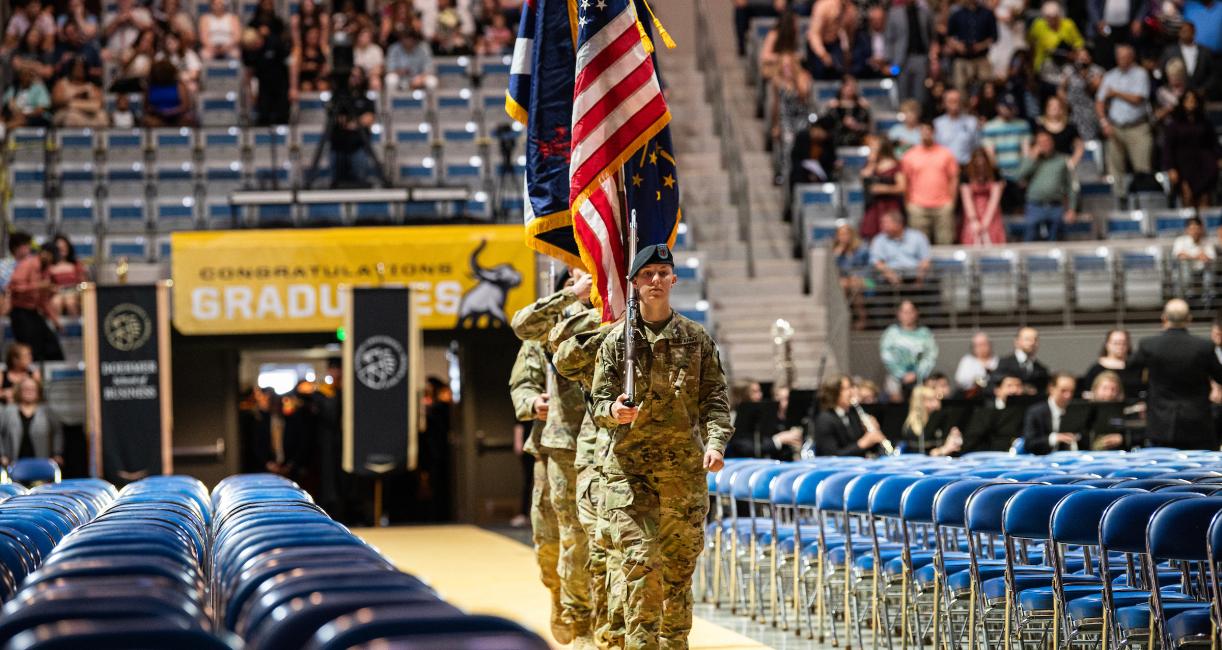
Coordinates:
(653,254)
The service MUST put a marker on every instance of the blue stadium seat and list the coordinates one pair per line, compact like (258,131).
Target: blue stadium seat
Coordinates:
(123,146)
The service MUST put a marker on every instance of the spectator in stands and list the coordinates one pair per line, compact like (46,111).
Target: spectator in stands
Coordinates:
(970,32)
(351,164)
(1194,255)
(311,70)
(30,16)
(972,374)
(1179,367)
(1051,191)
(980,196)
(27,102)
(1197,61)
(1042,426)
(172,19)
(454,29)
(853,262)
(983,104)
(1112,22)
(1191,152)
(867,391)
(744,12)
(931,174)
(184,59)
(1066,139)
(813,159)
(1022,362)
(1022,87)
(780,41)
(1051,32)
(1114,358)
(791,109)
(1107,388)
(940,383)
(266,49)
(67,273)
(1011,35)
(20,244)
(907,132)
(909,352)
(922,405)
(123,28)
(30,292)
(1206,16)
(848,115)
(28,429)
(167,100)
(839,428)
(1123,107)
(1081,83)
(1167,96)
(18,367)
(312,15)
(912,48)
(869,55)
(78,101)
(495,36)
(123,117)
(1006,138)
(832,25)
(32,55)
(347,20)
(368,56)
(72,45)
(409,63)
(220,32)
(955,129)
(884,185)
(900,254)
(135,64)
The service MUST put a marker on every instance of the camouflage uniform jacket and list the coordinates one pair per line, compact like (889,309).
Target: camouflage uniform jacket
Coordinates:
(681,392)
(526,382)
(575,342)
(567,402)
(534,321)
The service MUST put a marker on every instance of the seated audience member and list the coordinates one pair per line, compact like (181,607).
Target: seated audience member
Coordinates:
(931,175)
(908,350)
(122,28)
(972,374)
(752,441)
(940,383)
(312,15)
(135,65)
(185,60)
(980,196)
(310,67)
(884,184)
(867,391)
(70,46)
(1194,256)
(1022,362)
(28,429)
(839,429)
(907,132)
(18,366)
(924,403)
(1042,425)
(409,62)
(32,55)
(791,111)
(20,246)
(1106,388)
(848,115)
(368,56)
(123,117)
(1114,358)
(1051,191)
(899,254)
(1191,152)
(27,102)
(452,35)
(167,102)
(813,158)
(171,18)
(28,17)
(78,101)
(997,422)
(219,32)
(67,273)
(853,262)
(1006,138)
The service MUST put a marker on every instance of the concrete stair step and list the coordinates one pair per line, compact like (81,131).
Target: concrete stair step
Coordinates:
(729,288)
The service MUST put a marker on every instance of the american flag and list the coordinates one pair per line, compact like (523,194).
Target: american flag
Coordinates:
(618,107)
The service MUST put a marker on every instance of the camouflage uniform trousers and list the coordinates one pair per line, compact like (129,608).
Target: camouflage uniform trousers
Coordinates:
(608,616)
(574,547)
(544,530)
(657,525)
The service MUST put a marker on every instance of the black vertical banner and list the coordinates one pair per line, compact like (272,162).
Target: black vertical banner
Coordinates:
(381,357)
(127,359)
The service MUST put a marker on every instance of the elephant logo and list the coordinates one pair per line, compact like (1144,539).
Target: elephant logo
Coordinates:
(381,363)
(127,327)
(484,304)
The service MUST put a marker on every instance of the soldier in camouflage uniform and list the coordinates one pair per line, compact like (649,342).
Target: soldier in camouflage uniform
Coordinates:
(527,390)
(558,441)
(576,341)
(655,495)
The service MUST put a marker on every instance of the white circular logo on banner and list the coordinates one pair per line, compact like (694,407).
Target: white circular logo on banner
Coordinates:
(127,327)
(381,363)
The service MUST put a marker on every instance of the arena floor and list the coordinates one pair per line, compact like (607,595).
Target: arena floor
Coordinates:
(489,573)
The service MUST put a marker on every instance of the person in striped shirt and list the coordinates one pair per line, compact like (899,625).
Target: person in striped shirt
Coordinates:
(1007,139)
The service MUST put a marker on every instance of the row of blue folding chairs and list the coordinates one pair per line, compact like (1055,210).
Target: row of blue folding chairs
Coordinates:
(1074,550)
(285,575)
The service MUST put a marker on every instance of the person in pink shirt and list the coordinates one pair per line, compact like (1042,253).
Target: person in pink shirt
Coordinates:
(933,175)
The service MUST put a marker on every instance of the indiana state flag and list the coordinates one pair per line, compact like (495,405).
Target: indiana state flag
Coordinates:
(653,191)
(540,95)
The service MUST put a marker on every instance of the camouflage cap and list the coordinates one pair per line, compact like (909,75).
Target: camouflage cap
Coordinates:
(652,254)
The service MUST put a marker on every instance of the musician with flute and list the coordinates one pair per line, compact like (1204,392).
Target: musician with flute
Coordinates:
(842,427)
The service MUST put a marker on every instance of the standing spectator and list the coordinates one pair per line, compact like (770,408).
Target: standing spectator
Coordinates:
(1079,87)
(1050,32)
(1112,22)
(972,373)
(970,32)
(1022,87)
(72,45)
(1123,108)
(1006,138)
(30,292)
(1042,424)
(454,29)
(1022,363)
(884,185)
(78,101)
(19,246)
(1066,139)
(832,24)
(931,175)
(813,159)
(909,352)
(495,38)
(1179,367)
(219,32)
(780,40)
(1051,192)
(409,62)
(266,58)
(791,108)
(167,100)
(310,69)
(27,102)
(1194,256)
(28,429)
(1206,16)
(853,263)
(955,129)
(1114,358)
(907,132)
(744,11)
(870,51)
(1168,95)
(1197,61)
(171,19)
(1011,35)
(899,254)
(67,273)
(351,164)
(848,115)
(312,15)
(367,55)
(135,64)
(1191,152)
(912,48)
(18,366)
(981,199)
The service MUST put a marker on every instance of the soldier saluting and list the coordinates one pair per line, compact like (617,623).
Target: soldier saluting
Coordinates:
(655,497)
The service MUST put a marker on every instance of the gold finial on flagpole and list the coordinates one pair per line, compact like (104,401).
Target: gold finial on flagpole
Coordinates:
(121,269)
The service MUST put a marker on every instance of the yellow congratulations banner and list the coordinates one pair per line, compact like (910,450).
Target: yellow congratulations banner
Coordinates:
(245,282)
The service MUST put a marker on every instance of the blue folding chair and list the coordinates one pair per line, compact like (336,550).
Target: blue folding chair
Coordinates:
(1178,533)
(34,471)
(415,626)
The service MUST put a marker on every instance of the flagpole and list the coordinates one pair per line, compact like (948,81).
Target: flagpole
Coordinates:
(630,306)
(551,369)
